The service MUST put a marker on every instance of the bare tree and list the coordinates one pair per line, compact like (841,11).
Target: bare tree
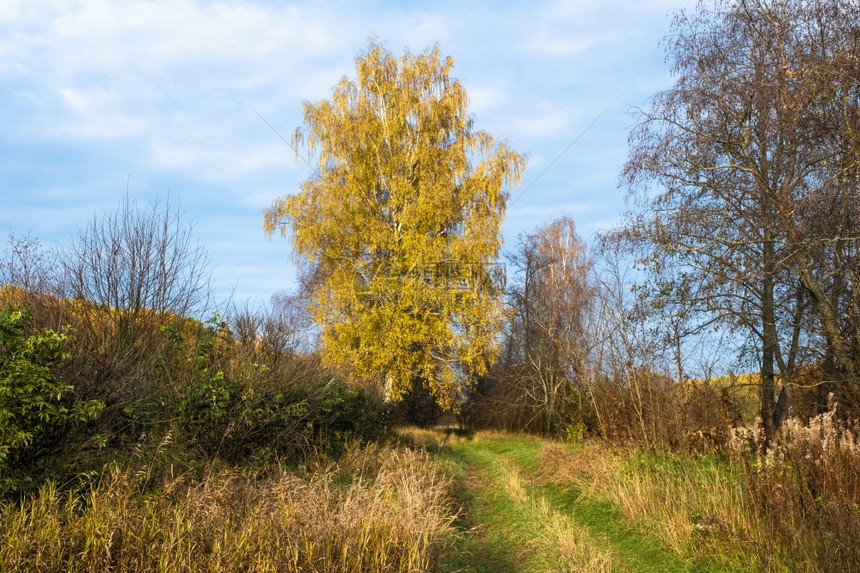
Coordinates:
(24,264)
(29,277)
(136,259)
(825,233)
(724,163)
(275,332)
(131,271)
(548,340)
(629,387)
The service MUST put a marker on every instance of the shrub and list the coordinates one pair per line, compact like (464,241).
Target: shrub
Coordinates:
(806,491)
(126,274)
(232,407)
(233,419)
(35,405)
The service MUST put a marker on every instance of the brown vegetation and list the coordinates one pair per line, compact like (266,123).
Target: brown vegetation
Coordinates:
(378,509)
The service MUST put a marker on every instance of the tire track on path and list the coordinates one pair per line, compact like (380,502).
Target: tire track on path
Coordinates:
(511,521)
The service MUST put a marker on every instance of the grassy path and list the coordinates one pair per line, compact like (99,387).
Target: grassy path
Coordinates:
(513,520)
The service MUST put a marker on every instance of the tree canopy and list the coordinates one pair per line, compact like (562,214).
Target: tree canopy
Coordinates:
(398,228)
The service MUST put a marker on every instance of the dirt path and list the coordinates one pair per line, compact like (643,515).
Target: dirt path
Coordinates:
(513,521)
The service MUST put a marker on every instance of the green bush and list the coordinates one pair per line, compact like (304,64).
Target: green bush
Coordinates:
(234,419)
(35,404)
(234,404)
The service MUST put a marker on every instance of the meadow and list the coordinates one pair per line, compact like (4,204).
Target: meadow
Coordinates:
(450,500)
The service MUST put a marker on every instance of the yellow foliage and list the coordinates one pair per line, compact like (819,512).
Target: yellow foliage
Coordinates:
(400,223)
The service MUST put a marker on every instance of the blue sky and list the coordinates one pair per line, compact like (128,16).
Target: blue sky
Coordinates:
(161,97)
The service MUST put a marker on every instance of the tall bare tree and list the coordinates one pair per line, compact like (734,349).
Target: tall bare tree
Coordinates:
(548,340)
(733,164)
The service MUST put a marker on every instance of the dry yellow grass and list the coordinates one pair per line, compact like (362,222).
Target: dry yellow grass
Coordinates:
(514,483)
(794,508)
(576,550)
(685,501)
(382,509)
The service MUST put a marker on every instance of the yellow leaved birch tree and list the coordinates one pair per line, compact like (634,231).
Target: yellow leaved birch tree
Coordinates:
(399,225)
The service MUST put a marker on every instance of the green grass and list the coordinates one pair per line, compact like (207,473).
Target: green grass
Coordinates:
(452,501)
(516,519)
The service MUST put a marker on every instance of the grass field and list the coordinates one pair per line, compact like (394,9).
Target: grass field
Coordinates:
(444,500)
(535,505)
(376,509)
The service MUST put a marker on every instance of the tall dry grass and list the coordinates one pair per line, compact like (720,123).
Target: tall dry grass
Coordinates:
(805,494)
(573,548)
(378,509)
(693,503)
(795,508)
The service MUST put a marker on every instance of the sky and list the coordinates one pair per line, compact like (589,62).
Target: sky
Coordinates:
(164,98)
